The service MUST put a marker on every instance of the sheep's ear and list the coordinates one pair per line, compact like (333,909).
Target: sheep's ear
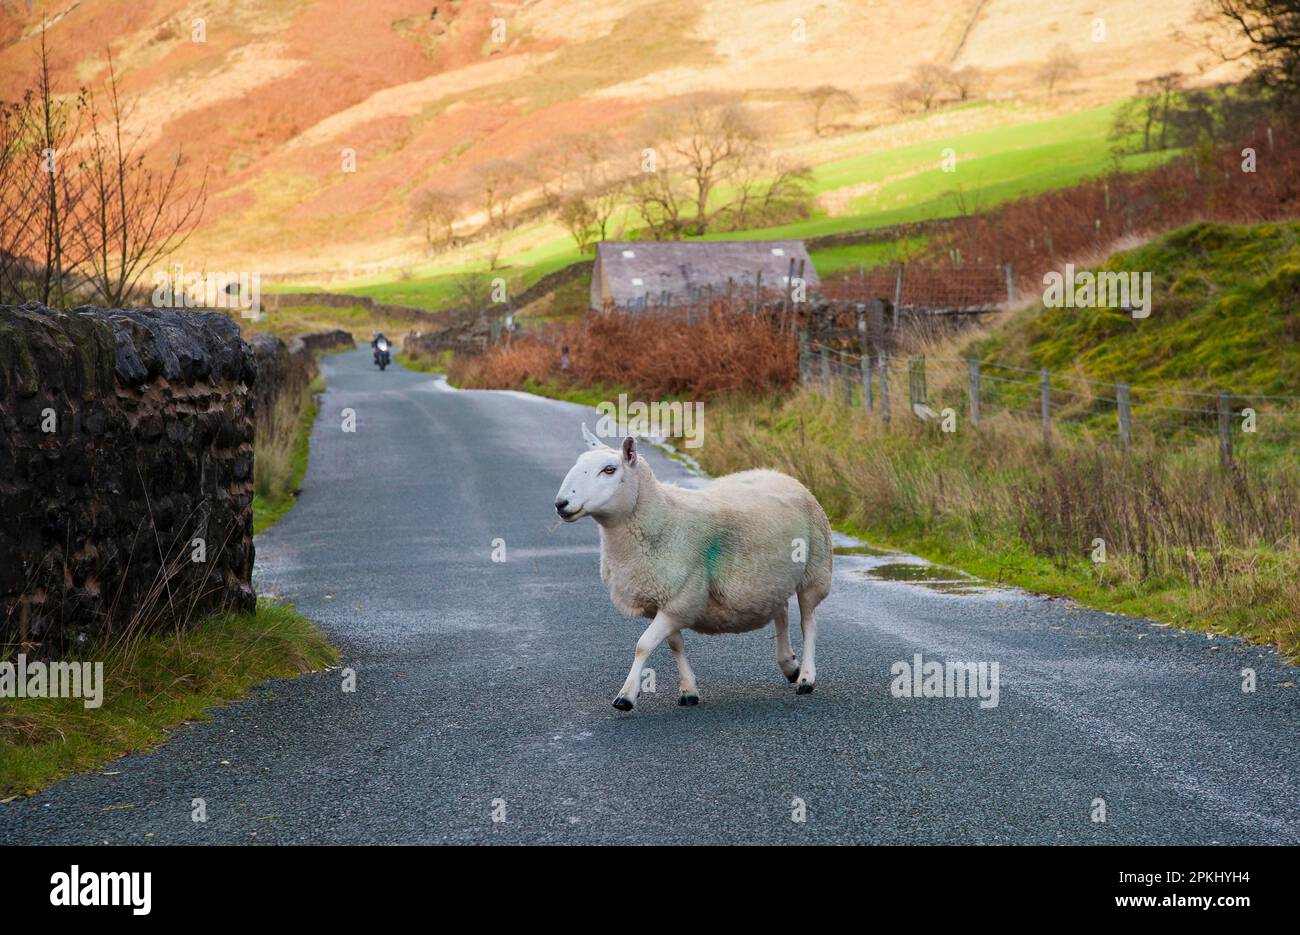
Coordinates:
(629,450)
(591,440)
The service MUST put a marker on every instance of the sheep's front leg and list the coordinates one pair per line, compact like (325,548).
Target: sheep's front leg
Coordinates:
(689,693)
(659,630)
(784,654)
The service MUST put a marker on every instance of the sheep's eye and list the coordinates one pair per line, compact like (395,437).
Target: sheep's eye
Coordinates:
(608,469)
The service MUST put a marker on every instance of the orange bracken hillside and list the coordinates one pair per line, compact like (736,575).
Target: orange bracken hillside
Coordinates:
(426,93)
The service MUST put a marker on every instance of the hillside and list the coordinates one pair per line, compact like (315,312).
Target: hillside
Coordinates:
(427,94)
(1225,316)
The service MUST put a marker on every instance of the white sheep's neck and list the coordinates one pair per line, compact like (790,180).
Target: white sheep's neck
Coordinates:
(629,540)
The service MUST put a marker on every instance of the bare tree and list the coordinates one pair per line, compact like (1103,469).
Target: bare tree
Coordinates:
(474,291)
(56,123)
(498,182)
(436,212)
(770,192)
(701,150)
(131,215)
(967,82)
(825,98)
(1061,66)
(1272,29)
(19,199)
(596,189)
(661,199)
(922,89)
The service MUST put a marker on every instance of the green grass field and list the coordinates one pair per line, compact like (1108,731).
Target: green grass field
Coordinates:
(900,185)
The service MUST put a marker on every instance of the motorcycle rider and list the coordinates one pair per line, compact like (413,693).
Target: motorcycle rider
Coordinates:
(374,342)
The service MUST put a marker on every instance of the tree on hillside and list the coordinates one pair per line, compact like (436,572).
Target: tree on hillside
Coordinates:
(769,192)
(592,190)
(922,89)
(699,150)
(1272,28)
(967,82)
(1061,66)
(712,171)
(435,212)
(1147,115)
(825,100)
(497,182)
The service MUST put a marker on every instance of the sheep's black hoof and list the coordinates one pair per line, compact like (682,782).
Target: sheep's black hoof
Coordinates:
(805,688)
(794,676)
(622,703)
(686,700)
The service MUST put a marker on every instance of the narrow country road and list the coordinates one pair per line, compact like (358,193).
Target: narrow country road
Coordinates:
(485,686)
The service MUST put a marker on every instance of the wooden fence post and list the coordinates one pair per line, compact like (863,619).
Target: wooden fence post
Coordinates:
(876,325)
(973,390)
(1225,431)
(916,393)
(803,358)
(884,388)
(758,285)
(864,357)
(898,295)
(788,297)
(1045,392)
(846,377)
(1011,286)
(1125,416)
(826,372)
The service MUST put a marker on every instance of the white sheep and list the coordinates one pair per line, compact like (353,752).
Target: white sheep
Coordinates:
(721,559)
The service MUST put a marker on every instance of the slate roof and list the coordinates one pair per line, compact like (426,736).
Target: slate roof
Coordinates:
(625,271)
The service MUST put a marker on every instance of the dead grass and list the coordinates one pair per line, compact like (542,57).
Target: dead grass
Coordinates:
(663,356)
(1184,541)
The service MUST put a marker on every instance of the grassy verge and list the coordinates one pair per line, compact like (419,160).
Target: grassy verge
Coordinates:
(151,684)
(425,363)
(281,444)
(1186,543)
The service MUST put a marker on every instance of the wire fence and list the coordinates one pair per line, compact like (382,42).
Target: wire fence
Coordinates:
(916,287)
(946,390)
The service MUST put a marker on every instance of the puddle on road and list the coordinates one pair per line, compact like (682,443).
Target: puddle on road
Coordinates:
(879,564)
(943,580)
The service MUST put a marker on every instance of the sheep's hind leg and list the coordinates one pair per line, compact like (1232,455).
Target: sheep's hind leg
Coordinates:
(808,623)
(659,630)
(689,694)
(784,654)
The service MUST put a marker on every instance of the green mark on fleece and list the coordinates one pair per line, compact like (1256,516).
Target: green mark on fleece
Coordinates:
(712,558)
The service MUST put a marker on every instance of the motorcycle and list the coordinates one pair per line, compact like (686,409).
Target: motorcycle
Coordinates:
(382,356)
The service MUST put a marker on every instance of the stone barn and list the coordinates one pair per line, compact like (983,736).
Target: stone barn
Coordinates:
(635,274)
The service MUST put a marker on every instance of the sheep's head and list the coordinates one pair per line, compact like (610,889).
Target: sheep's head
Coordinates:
(602,483)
